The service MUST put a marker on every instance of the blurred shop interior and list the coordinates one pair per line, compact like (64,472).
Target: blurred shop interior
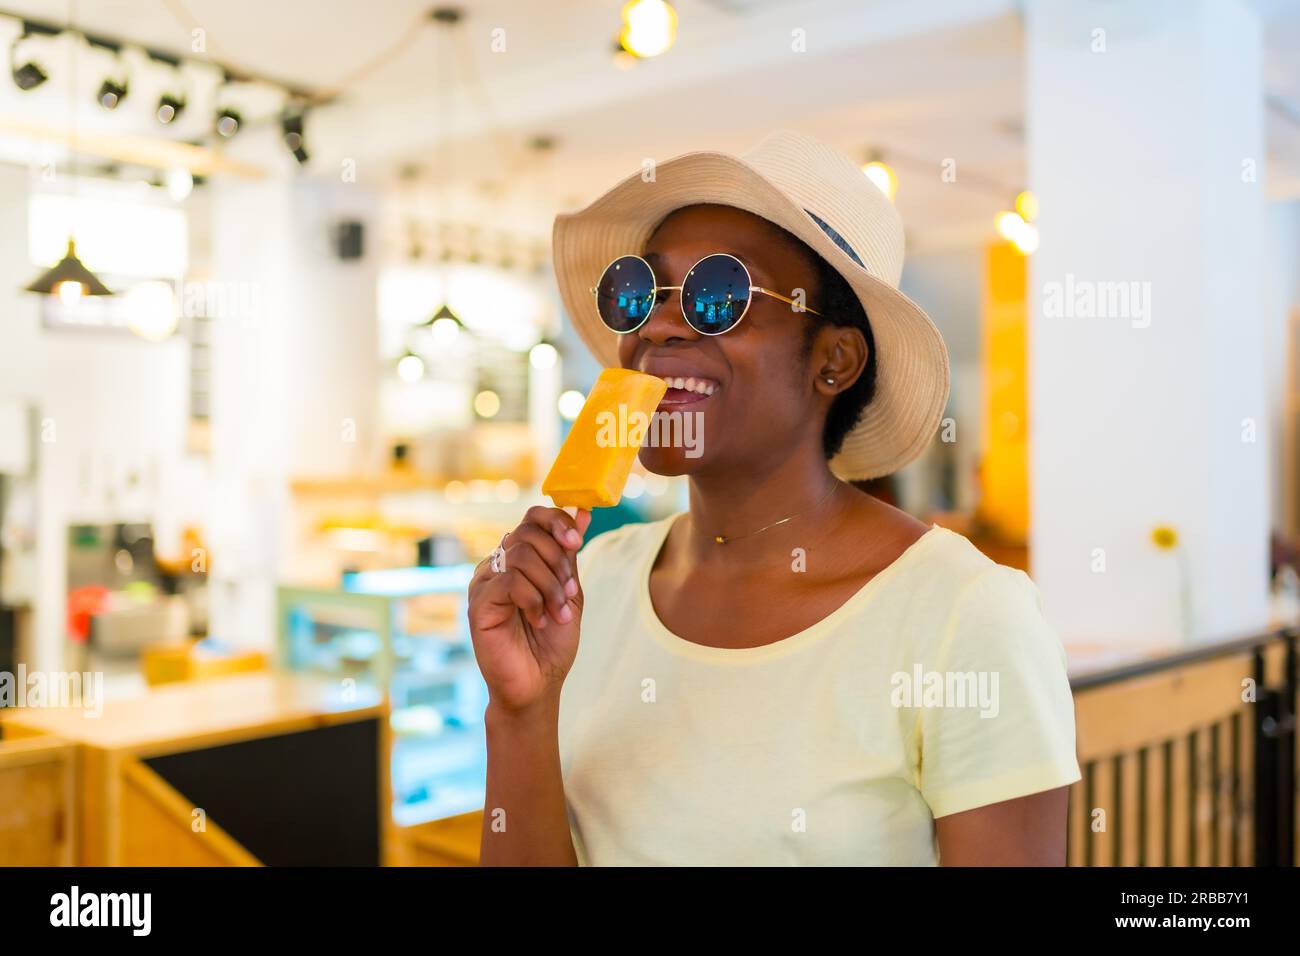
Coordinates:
(333,366)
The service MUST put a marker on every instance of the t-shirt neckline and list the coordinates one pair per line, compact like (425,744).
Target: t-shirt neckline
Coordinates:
(736,655)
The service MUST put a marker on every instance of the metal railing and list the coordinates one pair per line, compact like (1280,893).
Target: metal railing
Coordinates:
(1214,792)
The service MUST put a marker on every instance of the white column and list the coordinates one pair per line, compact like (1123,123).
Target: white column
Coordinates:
(295,371)
(1146,148)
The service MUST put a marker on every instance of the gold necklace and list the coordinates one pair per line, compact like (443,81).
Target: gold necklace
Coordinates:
(723,539)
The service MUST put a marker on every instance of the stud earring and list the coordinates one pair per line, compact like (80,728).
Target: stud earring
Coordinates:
(830,381)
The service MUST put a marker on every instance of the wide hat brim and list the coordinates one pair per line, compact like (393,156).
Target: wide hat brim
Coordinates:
(912,377)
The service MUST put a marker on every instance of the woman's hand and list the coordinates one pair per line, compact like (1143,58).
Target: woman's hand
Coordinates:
(524,621)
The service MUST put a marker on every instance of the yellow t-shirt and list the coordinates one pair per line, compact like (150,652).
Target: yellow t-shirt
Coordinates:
(936,688)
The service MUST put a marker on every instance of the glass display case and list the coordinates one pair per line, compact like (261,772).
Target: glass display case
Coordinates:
(402,630)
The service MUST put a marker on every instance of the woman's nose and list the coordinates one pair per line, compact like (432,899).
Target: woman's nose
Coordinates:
(666,322)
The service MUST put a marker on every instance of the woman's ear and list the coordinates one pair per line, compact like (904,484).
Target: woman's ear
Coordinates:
(841,356)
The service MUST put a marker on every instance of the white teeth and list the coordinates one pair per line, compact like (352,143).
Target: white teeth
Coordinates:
(698,385)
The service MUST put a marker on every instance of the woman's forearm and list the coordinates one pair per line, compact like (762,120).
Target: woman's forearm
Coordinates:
(525,821)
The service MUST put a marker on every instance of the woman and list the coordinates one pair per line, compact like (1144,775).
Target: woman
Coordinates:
(791,671)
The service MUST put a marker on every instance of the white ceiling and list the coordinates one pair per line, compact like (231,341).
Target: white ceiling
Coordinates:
(920,81)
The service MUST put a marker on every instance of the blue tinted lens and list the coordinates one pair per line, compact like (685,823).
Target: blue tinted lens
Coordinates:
(625,293)
(715,293)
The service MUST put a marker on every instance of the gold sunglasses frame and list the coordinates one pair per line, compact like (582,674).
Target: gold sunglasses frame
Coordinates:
(656,289)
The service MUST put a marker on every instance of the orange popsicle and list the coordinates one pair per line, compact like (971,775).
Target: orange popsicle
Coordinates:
(595,460)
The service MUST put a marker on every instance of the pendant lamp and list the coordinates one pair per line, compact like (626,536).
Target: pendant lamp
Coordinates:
(69,279)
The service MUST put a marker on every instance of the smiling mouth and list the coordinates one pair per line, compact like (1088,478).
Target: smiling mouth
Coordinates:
(687,391)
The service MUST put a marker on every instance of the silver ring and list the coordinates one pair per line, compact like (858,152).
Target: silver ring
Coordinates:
(498,557)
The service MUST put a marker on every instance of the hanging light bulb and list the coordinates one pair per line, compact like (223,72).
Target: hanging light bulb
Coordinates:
(543,355)
(444,326)
(649,27)
(72,273)
(570,404)
(152,310)
(69,278)
(487,403)
(410,368)
(1009,224)
(880,173)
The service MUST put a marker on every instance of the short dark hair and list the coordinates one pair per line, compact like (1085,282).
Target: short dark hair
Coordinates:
(840,306)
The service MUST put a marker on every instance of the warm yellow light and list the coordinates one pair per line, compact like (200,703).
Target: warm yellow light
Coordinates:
(1027,206)
(543,355)
(70,293)
(410,368)
(570,404)
(455,491)
(1026,238)
(444,331)
(1013,228)
(507,490)
(1009,224)
(151,308)
(487,403)
(649,27)
(883,176)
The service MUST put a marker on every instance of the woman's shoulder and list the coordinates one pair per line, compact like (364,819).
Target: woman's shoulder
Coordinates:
(946,583)
(971,578)
(988,607)
(961,560)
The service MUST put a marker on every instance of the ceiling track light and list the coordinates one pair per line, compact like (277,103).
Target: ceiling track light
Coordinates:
(169,108)
(172,102)
(28,74)
(228,122)
(291,126)
(111,94)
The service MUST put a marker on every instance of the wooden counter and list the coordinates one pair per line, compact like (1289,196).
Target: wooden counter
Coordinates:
(247,769)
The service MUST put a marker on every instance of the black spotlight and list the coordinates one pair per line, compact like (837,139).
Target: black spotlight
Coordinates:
(169,107)
(111,93)
(27,76)
(228,122)
(291,126)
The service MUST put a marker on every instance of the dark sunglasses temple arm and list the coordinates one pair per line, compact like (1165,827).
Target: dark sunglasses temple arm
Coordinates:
(786,299)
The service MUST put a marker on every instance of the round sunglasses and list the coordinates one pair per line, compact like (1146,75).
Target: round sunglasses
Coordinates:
(715,294)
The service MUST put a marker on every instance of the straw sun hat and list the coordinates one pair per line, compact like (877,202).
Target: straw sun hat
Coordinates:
(822,197)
